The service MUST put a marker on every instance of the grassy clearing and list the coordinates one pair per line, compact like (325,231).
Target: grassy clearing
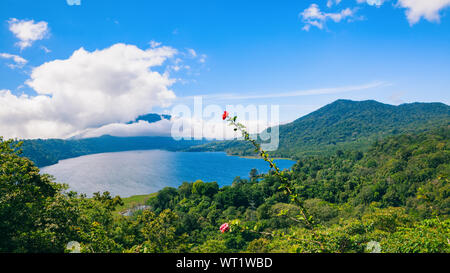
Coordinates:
(133,201)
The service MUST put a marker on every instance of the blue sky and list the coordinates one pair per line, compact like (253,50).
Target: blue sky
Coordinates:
(248,52)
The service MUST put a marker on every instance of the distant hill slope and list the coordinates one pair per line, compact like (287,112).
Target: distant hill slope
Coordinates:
(46,152)
(343,124)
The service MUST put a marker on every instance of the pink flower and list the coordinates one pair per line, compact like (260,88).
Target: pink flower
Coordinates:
(225,115)
(224,228)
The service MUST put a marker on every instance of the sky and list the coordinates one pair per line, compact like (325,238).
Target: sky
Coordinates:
(87,67)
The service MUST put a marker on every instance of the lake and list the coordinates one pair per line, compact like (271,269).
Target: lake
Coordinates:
(142,172)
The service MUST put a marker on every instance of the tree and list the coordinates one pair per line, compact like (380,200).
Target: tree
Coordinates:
(23,196)
(253,174)
(207,189)
(185,189)
(159,231)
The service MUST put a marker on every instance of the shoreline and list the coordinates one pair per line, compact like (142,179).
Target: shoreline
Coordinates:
(138,200)
(258,157)
(175,151)
(134,201)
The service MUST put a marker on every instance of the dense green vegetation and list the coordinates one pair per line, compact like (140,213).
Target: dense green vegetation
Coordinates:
(393,197)
(344,124)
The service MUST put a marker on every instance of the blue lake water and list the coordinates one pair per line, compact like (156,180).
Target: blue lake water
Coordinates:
(142,172)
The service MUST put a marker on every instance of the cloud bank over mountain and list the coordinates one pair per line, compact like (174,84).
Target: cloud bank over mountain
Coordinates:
(88,90)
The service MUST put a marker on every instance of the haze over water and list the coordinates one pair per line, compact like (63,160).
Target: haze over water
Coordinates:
(142,172)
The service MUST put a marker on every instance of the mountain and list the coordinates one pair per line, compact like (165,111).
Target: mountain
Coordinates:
(340,125)
(44,152)
(150,118)
(343,124)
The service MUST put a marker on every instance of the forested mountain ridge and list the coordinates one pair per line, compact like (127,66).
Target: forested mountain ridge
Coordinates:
(344,124)
(46,152)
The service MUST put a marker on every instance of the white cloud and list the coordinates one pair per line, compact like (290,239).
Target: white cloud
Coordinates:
(313,16)
(429,9)
(330,3)
(372,2)
(299,93)
(177,68)
(203,58)
(141,128)
(154,44)
(19,62)
(28,31)
(73,2)
(46,50)
(416,9)
(192,52)
(88,90)
(191,128)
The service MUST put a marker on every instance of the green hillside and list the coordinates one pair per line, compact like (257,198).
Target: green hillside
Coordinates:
(345,124)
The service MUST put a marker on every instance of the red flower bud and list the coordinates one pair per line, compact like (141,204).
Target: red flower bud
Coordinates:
(225,115)
(224,228)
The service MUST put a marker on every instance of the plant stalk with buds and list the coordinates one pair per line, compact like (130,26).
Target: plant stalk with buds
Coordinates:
(285,183)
